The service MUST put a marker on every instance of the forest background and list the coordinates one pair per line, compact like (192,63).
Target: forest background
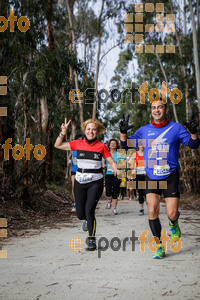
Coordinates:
(67,46)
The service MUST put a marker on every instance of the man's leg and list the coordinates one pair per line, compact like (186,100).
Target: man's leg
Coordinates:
(153,201)
(172,195)
(172,205)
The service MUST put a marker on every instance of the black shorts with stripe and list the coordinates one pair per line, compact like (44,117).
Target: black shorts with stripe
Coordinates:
(170,186)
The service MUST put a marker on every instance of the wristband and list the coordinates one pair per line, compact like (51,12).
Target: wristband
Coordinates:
(61,137)
(62,134)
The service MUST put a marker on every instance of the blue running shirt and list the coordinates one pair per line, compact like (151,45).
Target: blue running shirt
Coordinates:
(161,147)
(74,166)
(108,166)
(116,157)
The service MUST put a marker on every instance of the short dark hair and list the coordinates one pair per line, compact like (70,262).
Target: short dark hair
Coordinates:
(79,135)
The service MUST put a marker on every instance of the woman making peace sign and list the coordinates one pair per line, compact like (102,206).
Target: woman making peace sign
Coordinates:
(88,186)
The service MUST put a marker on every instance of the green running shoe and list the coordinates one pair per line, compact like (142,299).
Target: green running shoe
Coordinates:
(160,253)
(175,231)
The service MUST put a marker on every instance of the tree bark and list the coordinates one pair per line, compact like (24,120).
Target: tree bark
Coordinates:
(70,16)
(197,7)
(25,195)
(98,61)
(44,114)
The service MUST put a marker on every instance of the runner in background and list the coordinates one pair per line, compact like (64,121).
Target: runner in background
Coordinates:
(138,166)
(123,188)
(72,161)
(112,183)
(131,192)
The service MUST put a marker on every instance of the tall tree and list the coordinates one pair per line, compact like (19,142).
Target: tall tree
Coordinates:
(196,55)
(99,31)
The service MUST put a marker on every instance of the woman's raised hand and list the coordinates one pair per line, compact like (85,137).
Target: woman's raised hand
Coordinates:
(64,126)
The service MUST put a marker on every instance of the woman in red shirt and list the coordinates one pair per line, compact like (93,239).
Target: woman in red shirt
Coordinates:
(88,185)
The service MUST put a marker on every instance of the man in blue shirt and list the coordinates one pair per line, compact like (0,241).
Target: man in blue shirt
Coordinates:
(161,141)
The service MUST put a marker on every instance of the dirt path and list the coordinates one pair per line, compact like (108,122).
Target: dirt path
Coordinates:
(42,266)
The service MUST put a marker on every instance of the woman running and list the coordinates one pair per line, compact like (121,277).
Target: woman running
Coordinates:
(138,165)
(112,183)
(88,185)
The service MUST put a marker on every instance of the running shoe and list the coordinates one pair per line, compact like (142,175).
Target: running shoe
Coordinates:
(91,242)
(160,253)
(115,211)
(130,199)
(85,226)
(175,231)
(74,208)
(108,205)
(141,212)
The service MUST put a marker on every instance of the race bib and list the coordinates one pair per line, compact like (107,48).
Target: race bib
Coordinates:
(84,178)
(161,170)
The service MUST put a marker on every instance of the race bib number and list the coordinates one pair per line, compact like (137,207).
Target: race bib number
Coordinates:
(161,170)
(84,178)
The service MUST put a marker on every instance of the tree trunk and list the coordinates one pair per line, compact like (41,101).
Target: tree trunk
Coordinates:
(85,60)
(183,69)
(98,58)
(50,27)
(47,127)
(44,114)
(196,57)
(197,7)
(70,16)
(25,195)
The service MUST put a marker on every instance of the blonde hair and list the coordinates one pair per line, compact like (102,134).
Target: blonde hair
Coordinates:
(100,127)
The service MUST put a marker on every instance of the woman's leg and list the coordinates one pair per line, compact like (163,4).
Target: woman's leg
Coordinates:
(108,185)
(80,193)
(116,191)
(94,192)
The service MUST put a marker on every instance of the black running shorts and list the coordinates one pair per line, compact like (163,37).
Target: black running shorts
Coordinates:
(172,188)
